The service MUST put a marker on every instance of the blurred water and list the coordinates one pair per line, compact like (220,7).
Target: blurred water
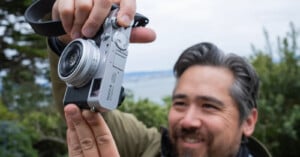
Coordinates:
(154,88)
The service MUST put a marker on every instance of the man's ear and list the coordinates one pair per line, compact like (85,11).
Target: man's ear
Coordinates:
(250,122)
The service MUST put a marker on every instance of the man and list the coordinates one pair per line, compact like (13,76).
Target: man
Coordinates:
(213,112)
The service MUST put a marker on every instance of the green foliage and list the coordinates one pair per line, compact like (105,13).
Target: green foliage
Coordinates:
(5,114)
(23,59)
(150,113)
(23,97)
(43,131)
(15,141)
(43,124)
(279,104)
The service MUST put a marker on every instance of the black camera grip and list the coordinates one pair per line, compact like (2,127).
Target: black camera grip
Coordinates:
(35,13)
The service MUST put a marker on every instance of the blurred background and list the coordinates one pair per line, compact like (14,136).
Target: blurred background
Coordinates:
(266,32)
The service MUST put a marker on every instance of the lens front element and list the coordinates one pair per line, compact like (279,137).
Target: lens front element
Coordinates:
(70,59)
(79,62)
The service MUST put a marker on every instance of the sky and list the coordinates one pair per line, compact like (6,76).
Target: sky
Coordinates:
(233,25)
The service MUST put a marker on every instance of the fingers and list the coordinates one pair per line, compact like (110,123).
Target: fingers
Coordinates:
(98,13)
(85,17)
(81,17)
(73,141)
(65,10)
(88,135)
(104,139)
(55,14)
(101,9)
(82,11)
(126,12)
(78,127)
(142,35)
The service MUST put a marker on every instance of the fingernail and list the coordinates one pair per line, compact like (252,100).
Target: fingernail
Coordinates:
(71,112)
(125,20)
(88,32)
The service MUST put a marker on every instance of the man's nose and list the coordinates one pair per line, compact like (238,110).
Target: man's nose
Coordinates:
(192,118)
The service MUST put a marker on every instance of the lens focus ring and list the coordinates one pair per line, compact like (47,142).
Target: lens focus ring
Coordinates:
(79,62)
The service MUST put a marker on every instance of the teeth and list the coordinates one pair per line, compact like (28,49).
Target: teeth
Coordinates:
(192,139)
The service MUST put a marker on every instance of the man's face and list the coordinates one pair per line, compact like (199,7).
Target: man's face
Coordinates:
(204,119)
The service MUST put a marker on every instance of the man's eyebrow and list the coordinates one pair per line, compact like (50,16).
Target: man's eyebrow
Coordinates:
(210,99)
(201,98)
(178,96)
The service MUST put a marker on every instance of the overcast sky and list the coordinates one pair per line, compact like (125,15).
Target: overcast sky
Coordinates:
(233,25)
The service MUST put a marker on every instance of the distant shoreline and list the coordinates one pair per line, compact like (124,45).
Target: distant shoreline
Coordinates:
(153,85)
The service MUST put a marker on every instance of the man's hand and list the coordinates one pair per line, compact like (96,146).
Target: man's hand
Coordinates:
(83,18)
(88,135)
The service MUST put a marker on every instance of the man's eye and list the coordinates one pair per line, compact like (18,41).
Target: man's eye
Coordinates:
(210,106)
(178,103)
(179,106)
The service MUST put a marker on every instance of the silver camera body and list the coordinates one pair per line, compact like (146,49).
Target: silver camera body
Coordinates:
(93,69)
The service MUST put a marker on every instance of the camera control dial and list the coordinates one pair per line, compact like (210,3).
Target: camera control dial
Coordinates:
(121,40)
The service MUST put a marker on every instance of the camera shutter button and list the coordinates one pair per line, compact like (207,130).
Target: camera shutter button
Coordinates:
(121,40)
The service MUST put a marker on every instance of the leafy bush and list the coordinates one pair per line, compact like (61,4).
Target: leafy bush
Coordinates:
(279,104)
(15,141)
(150,113)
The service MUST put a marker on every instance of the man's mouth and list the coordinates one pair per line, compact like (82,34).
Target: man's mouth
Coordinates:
(192,139)
(190,142)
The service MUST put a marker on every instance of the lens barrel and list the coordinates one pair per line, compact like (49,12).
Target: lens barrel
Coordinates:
(79,62)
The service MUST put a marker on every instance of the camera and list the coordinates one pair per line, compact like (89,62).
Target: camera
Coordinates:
(93,68)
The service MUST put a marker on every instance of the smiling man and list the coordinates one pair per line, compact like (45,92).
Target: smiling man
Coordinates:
(214,106)
(213,114)
(213,109)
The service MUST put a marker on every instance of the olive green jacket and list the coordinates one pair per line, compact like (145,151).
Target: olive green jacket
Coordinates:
(132,137)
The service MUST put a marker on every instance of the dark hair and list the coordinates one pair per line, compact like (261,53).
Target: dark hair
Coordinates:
(244,90)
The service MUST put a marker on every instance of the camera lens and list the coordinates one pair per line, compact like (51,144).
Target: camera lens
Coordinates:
(70,59)
(79,62)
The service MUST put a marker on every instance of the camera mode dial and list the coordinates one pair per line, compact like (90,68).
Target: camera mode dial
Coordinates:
(121,40)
